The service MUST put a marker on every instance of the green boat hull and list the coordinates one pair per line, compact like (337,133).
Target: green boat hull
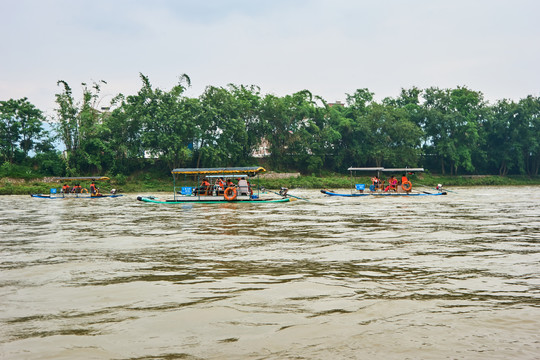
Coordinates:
(180,201)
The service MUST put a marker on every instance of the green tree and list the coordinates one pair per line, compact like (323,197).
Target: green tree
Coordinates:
(68,123)
(451,125)
(247,108)
(512,136)
(124,134)
(352,124)
(530,133)
(501,141)
(166,121)
(288,123)
(319,137)
(226,115)
(21,128)
(81,129)
(392,139)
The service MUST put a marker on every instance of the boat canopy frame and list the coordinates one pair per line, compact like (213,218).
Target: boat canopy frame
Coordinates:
(82,178)
(413,170)
(251,171)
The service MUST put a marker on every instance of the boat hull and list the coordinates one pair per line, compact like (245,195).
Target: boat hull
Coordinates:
(74,196)
(195,200)
(390,194)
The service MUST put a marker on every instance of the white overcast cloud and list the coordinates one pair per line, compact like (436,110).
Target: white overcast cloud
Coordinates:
(328,47)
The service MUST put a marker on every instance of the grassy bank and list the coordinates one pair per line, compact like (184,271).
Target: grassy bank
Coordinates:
(145,183)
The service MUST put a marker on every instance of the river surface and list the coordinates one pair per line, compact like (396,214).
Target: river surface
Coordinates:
(431,277)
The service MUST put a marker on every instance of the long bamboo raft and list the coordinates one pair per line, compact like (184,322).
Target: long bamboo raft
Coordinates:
(400,190)
(82,194)
(194,191)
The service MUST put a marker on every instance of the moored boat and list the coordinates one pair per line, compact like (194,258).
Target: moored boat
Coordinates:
(215,185)
(378,187)
(76,191)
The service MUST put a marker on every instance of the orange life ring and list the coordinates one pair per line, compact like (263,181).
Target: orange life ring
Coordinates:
(230,193)
(83,190)
(406,186)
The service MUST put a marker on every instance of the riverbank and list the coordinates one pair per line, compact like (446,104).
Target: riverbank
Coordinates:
(19,186)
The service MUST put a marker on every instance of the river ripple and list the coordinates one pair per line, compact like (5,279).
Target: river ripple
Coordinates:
(452,276)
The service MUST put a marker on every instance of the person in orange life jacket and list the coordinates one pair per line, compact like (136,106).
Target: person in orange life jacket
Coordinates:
(65,188)
(230,183)
(405,183)
(404,179)
(392,183)
(205,186)
(93,189)
(220,186)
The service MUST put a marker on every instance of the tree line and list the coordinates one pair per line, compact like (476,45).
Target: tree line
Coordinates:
(448,131)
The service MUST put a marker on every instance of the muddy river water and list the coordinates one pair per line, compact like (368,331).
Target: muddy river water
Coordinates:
(432,277)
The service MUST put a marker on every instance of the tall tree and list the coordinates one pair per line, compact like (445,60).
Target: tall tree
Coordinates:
(501,142)
(223,125)
(80,126)
(352,125)
(287,121)
(166,119)
(21,127)
(530,133)
(451,125)
(392,139)
(247,101)
(124,134)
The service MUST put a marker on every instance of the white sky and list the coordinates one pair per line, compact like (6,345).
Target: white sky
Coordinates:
(330,47)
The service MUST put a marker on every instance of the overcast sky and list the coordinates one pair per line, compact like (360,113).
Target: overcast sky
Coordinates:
(329,47)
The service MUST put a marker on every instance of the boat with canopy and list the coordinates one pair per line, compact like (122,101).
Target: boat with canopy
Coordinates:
(379,187)
(72,189)
(215,185)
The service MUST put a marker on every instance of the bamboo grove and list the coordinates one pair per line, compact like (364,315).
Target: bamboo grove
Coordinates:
(448,131)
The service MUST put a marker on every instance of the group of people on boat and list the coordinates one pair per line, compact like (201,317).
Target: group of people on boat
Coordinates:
(224,187)
(78,189)
(75,189)
(393,183)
